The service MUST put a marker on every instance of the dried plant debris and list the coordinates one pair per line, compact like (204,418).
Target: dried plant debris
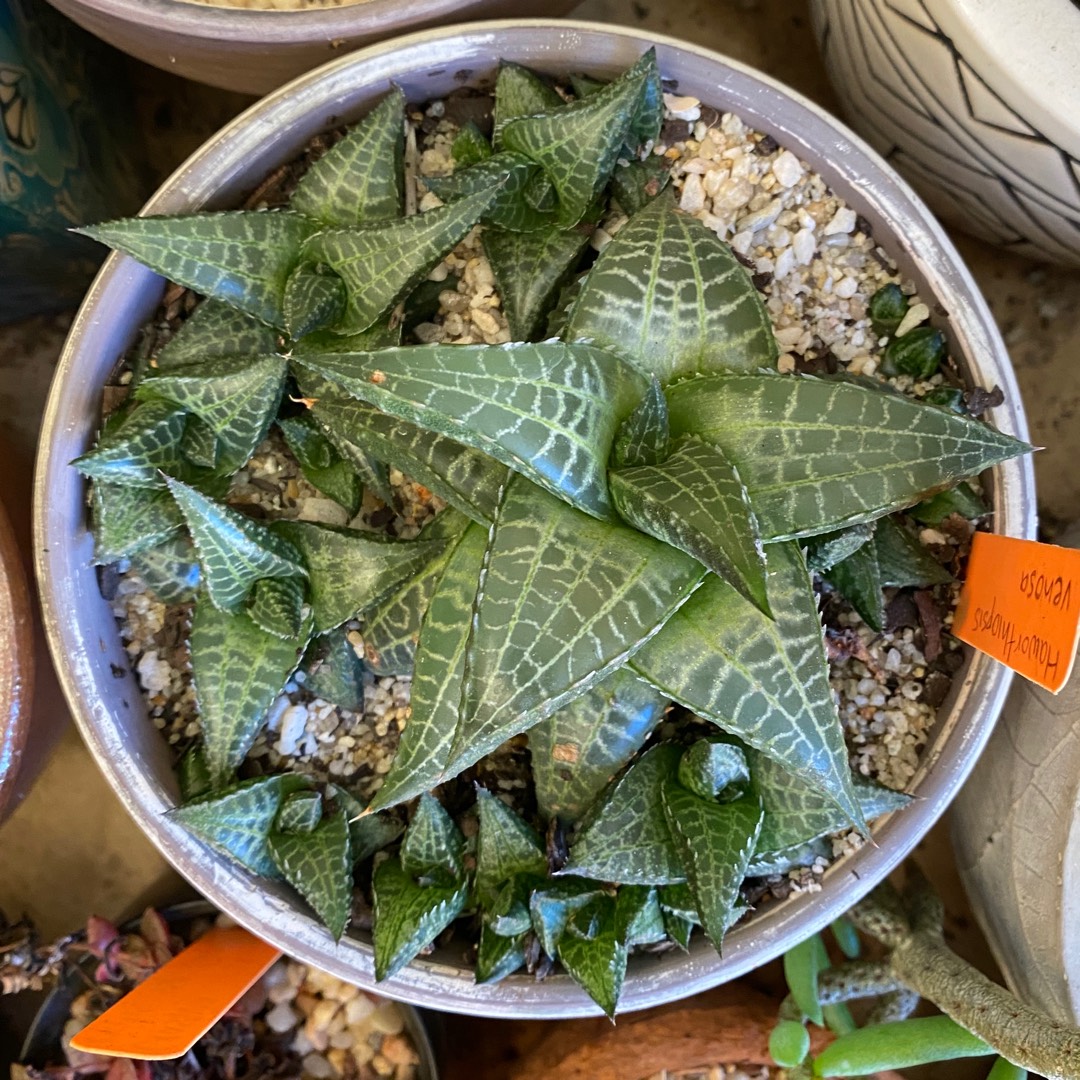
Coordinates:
(296,1022)
(490,458)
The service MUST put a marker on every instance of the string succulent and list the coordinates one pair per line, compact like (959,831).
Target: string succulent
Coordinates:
(633,492)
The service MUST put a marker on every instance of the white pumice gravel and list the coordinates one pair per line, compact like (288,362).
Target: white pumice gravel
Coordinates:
(817,265)
(338,1029)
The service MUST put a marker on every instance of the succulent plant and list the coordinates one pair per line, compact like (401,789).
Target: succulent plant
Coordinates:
(633,493)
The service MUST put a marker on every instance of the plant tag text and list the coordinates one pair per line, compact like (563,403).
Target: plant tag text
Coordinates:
(1021,605)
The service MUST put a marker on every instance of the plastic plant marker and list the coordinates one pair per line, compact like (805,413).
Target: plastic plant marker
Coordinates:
(1021,605)
(167,1014)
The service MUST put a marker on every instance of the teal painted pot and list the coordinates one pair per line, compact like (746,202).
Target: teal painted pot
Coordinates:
(68,155)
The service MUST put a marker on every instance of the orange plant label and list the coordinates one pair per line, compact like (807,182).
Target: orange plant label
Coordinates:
(1021,604)
(165,1016)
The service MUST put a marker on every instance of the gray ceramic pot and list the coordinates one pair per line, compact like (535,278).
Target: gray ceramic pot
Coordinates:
(254,51)
(86,646)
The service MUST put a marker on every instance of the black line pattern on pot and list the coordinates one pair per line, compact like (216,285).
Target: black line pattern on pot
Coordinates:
(942,119)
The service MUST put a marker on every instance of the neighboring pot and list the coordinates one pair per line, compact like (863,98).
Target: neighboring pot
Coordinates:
(86,644)
(974,101)
(42,1043)
(254,51)
(1016,834)
(16,667)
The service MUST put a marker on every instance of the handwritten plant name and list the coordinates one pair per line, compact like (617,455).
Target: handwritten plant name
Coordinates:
(1049,590)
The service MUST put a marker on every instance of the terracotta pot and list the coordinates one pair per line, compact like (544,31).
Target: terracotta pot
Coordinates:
(86,645)
(256,51)
(726,1026)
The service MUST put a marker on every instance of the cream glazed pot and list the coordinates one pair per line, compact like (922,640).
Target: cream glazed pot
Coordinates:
(1016,834)
(84,637)
(975,102)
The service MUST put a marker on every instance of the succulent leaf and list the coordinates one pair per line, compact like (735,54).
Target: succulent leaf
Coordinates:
(576,752)
(242,257)
(817,454)
(716,841)
(333,671)
(903,561)
(193,774)
(710,766)
(312,301)
(781,860)
(825,550)
(408,917)
(321,463)
(277,606)
(514,174)
(643,439)
(237,397)
(678,929)
(212,330)
(635,184)
(234,551)
(200,443)
(565,600)
(428,737)
(505,847)
(128,520)
(649,113)
(318,864)
(138,447)
(238,820)
(530,268)
(518,92)
(547,410)
(464,477)
(858,579)
(300,812)
(597,963)
(470,145)
(360,179)
(960,500)
(627,839)
(639,919)
(433,850)
(498,956)
(368,833)
(577,145)
(798,813)
(670,298)
(392,627)
(552,905)
(383,261)
(350,570)
(170,570)
(238,669)
(695,501)
(765,680)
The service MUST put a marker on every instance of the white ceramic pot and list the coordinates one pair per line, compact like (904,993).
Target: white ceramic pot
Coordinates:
(1016,834)
(255,51)
(85,641)
(976,102)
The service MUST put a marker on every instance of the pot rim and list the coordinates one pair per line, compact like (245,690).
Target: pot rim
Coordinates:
(276,27)
(443,982)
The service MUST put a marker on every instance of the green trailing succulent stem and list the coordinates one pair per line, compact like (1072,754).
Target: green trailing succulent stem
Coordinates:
(980,1017)
(637,503)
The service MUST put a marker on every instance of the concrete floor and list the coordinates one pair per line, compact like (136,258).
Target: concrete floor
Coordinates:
(71,849)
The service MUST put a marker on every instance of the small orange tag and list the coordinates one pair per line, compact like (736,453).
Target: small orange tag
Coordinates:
(1021,604)
(165,1016)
